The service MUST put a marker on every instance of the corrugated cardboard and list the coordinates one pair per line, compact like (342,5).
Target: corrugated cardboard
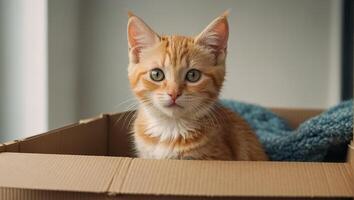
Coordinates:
(120,141)
(296,116)
(40,170)
(12,146)
(224,178)
(351,155)
(2,148)
(58,172)
(80,139)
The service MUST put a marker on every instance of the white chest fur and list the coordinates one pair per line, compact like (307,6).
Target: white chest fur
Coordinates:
(166,129)
(158,151)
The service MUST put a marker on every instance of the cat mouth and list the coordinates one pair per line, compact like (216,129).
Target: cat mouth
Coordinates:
(173,105)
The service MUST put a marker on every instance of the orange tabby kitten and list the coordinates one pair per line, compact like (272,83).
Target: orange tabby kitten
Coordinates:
(177,80)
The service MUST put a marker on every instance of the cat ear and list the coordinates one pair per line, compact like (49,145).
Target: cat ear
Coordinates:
(215,35)
(140,36)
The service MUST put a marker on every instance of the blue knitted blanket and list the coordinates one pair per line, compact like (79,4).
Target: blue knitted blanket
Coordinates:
(311,141)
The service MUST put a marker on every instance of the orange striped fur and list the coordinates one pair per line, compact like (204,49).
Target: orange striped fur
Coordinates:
(178,116)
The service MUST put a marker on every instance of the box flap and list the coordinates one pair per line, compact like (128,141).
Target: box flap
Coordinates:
(120,176)
(12,146)
(59,172)
(2,148)
(225,178)
(295,116)
(120,142)
(80,139)
(351,155)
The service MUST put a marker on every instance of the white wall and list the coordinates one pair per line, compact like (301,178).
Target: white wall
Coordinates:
(23,72)
(63,61)
(38,78)
(281,52)
(103,83)
(335,54)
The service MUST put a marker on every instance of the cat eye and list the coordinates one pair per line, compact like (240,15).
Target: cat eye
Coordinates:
(157,74)
(193,75)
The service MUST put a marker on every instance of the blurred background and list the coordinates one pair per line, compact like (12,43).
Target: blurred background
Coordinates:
(64,60)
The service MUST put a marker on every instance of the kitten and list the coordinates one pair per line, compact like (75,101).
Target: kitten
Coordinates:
(177,80)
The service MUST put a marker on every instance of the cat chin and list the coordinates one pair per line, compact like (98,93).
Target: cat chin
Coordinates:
(178,112)
(174,112)
(183,113)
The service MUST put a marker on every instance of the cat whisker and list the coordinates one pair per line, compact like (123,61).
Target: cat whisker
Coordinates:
(130,100)
(128,114)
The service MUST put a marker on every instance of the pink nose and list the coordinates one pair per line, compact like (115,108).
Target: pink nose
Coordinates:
(174,95)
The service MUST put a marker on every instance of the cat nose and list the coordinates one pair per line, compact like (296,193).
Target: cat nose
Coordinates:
(174,95)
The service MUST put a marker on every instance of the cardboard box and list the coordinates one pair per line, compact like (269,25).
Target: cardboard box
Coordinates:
(93,160)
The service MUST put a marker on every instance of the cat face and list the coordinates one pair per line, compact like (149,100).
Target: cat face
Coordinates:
(177,76)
